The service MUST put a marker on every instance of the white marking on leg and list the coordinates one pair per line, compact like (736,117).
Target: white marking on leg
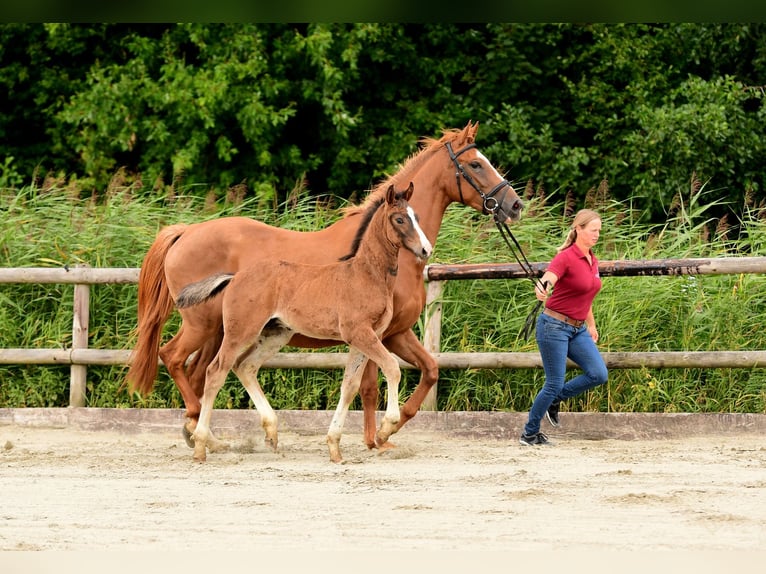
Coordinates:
(352,378)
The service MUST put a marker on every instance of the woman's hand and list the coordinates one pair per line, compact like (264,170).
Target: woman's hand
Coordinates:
(541,291)
(544,285)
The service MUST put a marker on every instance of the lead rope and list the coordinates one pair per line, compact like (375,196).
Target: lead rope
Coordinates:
(518,253)
(491,205)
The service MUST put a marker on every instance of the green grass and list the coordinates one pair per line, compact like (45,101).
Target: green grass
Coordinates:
(56,226)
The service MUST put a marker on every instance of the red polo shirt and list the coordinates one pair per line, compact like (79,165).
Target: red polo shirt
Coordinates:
(577,285)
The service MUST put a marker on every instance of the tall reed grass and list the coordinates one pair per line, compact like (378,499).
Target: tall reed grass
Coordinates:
(54,225)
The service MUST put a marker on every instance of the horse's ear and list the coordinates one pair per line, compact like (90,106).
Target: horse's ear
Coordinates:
(390,195)
(408,192)
(470,131)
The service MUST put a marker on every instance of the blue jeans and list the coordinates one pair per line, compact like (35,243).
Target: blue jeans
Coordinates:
(558,341)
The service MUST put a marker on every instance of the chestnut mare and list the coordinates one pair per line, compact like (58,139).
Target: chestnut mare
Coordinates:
(183,254)
(349,301)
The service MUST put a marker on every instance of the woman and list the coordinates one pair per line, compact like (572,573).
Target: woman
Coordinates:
(566,327)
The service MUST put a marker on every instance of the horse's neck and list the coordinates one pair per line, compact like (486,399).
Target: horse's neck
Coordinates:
(430,200)
(376,251)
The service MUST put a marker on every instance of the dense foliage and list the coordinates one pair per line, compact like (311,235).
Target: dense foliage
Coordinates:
(335,106)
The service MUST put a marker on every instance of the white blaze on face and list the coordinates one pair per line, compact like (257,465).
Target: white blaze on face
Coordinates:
(500,177)
(423,239)
(482,156)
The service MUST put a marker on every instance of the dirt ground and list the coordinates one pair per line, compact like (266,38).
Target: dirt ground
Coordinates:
(74,489)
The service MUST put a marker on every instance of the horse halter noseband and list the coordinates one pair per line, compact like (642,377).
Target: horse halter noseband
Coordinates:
(491,206)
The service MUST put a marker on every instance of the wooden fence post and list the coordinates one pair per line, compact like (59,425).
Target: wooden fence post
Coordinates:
(432,332)
(78,374)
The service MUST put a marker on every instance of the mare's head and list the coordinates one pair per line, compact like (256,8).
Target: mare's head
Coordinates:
(475,180)
(402,227)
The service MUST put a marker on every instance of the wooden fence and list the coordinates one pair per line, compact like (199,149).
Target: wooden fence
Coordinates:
(79,356)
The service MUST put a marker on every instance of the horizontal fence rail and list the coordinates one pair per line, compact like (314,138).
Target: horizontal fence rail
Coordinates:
(80,356)
(618,268)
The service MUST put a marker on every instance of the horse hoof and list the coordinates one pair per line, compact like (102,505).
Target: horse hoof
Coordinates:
(388,445)
(381,439)
(334,447)
(187,436)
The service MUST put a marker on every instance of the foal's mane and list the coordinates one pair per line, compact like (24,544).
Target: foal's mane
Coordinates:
(369,212)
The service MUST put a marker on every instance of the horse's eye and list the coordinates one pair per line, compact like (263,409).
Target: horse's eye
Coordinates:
(475,165)
(400,220)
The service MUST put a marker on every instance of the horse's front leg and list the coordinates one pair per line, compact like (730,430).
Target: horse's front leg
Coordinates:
(407,346)
(389,364)
(348,389)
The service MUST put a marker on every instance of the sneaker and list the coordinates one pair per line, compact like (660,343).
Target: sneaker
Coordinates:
(533,439)
(553,413)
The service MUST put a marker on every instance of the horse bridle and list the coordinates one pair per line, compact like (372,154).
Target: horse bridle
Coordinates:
(491,206)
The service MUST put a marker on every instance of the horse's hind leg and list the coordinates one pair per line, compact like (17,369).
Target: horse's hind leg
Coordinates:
(368,392)
(348,389)
(216,377)
(174,355)
(195,371)
(198,364)
(247,371)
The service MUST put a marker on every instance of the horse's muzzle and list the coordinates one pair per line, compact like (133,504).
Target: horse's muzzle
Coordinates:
(509,213)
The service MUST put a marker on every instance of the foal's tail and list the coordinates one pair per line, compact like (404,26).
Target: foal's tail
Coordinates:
(201,291)
(154,307)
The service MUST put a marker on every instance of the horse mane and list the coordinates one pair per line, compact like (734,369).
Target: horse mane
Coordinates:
(376,197)
(369,212)
(429,146)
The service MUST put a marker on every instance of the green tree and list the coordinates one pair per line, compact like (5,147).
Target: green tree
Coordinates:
(645,107)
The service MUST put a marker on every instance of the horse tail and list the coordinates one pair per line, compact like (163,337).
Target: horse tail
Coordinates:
(154,307)
(201,291)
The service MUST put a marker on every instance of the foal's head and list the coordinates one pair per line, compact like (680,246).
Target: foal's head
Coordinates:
(403,228)
(400,223)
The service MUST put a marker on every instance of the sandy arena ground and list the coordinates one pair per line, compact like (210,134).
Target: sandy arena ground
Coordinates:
(74,489)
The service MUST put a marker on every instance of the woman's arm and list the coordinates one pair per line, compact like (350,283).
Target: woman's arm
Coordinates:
(590,322)
(549,280)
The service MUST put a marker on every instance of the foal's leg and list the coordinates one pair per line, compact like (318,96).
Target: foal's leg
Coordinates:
(216,377)
(390,367)
(348,389)
(373,348)
(247,371)
(195,371)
